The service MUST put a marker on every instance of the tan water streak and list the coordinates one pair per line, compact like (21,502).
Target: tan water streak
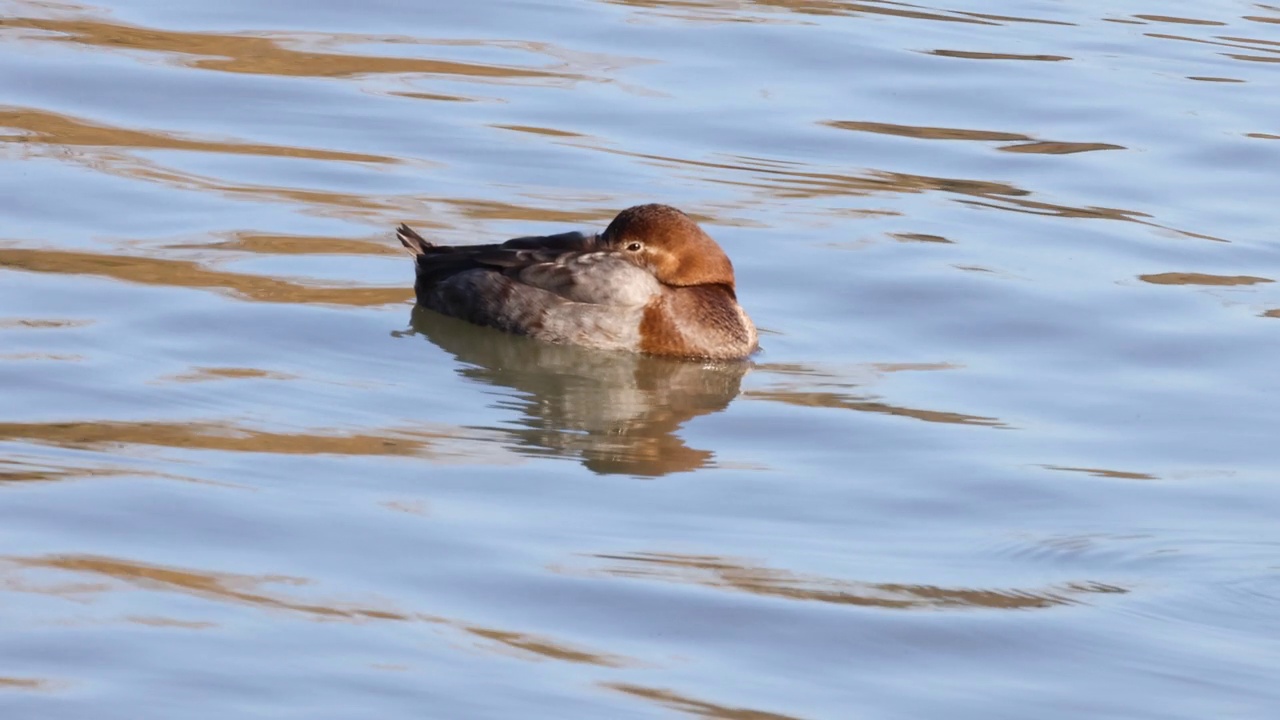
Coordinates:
(819,399)
(27,683)
(924,132)
(12,471)
(41,323)
(740,11)
(1103,472)
(223,436)
(295,245)
(844,7)
(477,209)
(249,590)
(1029,144)
(546,648)
(1193,278)
(691,706)
(184,273)
(1242,43)
(971,55)
(1060,148)
(780,180)
(262,54)
(209,374)
(52,128)
(125,163)
(1178,20)
(734,574)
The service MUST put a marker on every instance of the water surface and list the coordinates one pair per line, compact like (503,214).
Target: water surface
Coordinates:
(1008,449)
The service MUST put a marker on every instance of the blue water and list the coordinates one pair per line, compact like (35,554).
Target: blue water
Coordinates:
(1007,450)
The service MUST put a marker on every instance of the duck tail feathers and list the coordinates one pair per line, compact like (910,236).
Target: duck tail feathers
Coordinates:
(412,241)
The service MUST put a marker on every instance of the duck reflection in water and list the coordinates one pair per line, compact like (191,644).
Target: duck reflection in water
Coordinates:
(619,411)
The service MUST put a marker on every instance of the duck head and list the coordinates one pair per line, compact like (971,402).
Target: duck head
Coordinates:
(670,245)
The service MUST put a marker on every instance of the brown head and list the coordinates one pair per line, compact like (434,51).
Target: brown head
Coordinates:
(669,244)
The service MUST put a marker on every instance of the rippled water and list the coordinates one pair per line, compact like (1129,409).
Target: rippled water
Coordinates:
(1009,450)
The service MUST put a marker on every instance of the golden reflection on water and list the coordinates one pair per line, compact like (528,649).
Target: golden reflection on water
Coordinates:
(725,573)
(258,54)
(1230,42)
(784,180)
(920,237)
(36,468)
(1028,143)
(50,128)
(1060,148)
(970,55)
(476,209)
(1102,472)
(1178,20)
(809,398)
(109,149)
(105,148)
(295,245)
(924,132)
(17,471)
(844,7)
(1253,58)
(1033,207)
(184,273)
(534,130)
(163,622)
(691,706)
(126,164)
(540,646)
(275,55)
(43,357)
(814,392)
(1192,278)
(41,323)
(251,590)
(1015,19)
(21,683)
(207,374)
(229,437)
(779,180)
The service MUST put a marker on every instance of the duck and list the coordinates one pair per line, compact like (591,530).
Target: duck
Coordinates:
(652,283)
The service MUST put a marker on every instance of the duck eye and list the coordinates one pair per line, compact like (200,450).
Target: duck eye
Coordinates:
(634,247)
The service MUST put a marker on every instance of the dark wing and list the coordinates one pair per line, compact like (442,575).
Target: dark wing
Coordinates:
(437,262)
(561,288)
(519,253)
(570,241)
(572,265)
(562,242)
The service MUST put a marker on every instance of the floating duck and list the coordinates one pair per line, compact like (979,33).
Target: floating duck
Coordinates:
(653,282)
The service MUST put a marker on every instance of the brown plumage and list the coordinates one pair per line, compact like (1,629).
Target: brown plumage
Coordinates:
(652,282)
